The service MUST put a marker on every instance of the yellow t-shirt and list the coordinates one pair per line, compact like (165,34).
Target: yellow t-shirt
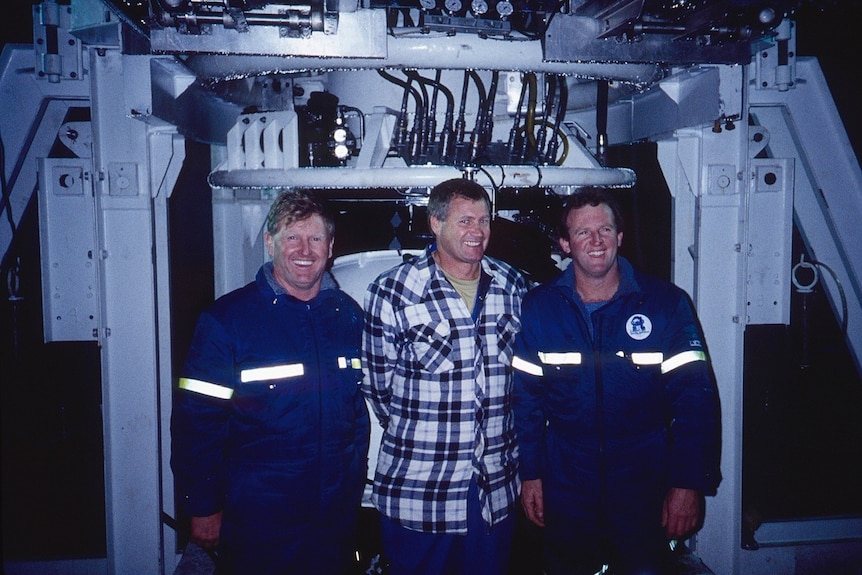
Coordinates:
(466,289)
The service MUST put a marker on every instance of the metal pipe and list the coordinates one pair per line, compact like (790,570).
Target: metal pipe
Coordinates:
(460,52)
(374,178)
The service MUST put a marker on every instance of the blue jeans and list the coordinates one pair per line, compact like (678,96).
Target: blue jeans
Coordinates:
(481,551)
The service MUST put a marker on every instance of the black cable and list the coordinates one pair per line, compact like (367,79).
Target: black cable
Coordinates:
(461,123)
(601,120)
(516,122)
(562,103)
(408,89)
(528,144)
(841,294)
(550,92)
(13,272)
(431,105)
(494,185)
(414,75)
(477,137)
(416,134)
(488,123)
(496,189)
(420,123)
(447,142)
(431,113)
(480,86)
(6,192)
(360,115)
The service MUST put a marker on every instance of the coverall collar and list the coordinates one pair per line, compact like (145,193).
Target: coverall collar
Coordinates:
(267,270)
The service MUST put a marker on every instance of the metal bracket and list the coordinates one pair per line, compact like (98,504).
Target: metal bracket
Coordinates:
(59,52)
(70,287)
(776,65)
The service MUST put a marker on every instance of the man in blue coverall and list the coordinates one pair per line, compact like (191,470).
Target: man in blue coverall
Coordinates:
(616,408)
(270,431)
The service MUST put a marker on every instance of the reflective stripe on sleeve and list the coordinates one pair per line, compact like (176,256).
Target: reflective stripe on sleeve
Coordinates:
(206,388)
(527,367)
(561,358)
(681,359)
(272,372)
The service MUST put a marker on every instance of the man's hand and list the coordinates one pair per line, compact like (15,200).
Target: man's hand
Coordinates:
(682,512)
(205,530)
(533,501)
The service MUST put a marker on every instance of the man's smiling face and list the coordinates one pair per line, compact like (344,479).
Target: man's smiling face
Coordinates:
(300,253)
(463,236)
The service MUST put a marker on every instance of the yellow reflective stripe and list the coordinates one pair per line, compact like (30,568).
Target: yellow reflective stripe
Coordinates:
(682,359)
(351,362)
(527,367)
(647,357)
(206,388)
(273,372)
(561,358)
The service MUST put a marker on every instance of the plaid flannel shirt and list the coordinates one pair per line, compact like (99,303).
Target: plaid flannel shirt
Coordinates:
(440,383)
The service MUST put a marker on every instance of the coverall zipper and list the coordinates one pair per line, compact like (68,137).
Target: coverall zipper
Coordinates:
(600,416)
(319,387)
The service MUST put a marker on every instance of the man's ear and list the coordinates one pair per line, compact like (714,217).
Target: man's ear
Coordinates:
(434,224)
(564,243)
(269,242)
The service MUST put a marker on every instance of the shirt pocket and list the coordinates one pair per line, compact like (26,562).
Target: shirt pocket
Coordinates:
(506,329)
(428,347)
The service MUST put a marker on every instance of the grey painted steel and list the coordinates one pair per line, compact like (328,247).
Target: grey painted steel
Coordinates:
(423,51)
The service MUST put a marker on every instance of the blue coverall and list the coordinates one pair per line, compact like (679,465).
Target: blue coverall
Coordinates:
(613,407)
(270,427)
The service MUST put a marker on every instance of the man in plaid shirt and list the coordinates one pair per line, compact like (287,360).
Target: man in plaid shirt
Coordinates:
(438,340)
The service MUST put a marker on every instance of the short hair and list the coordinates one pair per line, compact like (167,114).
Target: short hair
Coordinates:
(296,205)
(442,194)
(590,196)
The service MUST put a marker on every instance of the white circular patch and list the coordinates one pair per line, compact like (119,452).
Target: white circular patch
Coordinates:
(638,326)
